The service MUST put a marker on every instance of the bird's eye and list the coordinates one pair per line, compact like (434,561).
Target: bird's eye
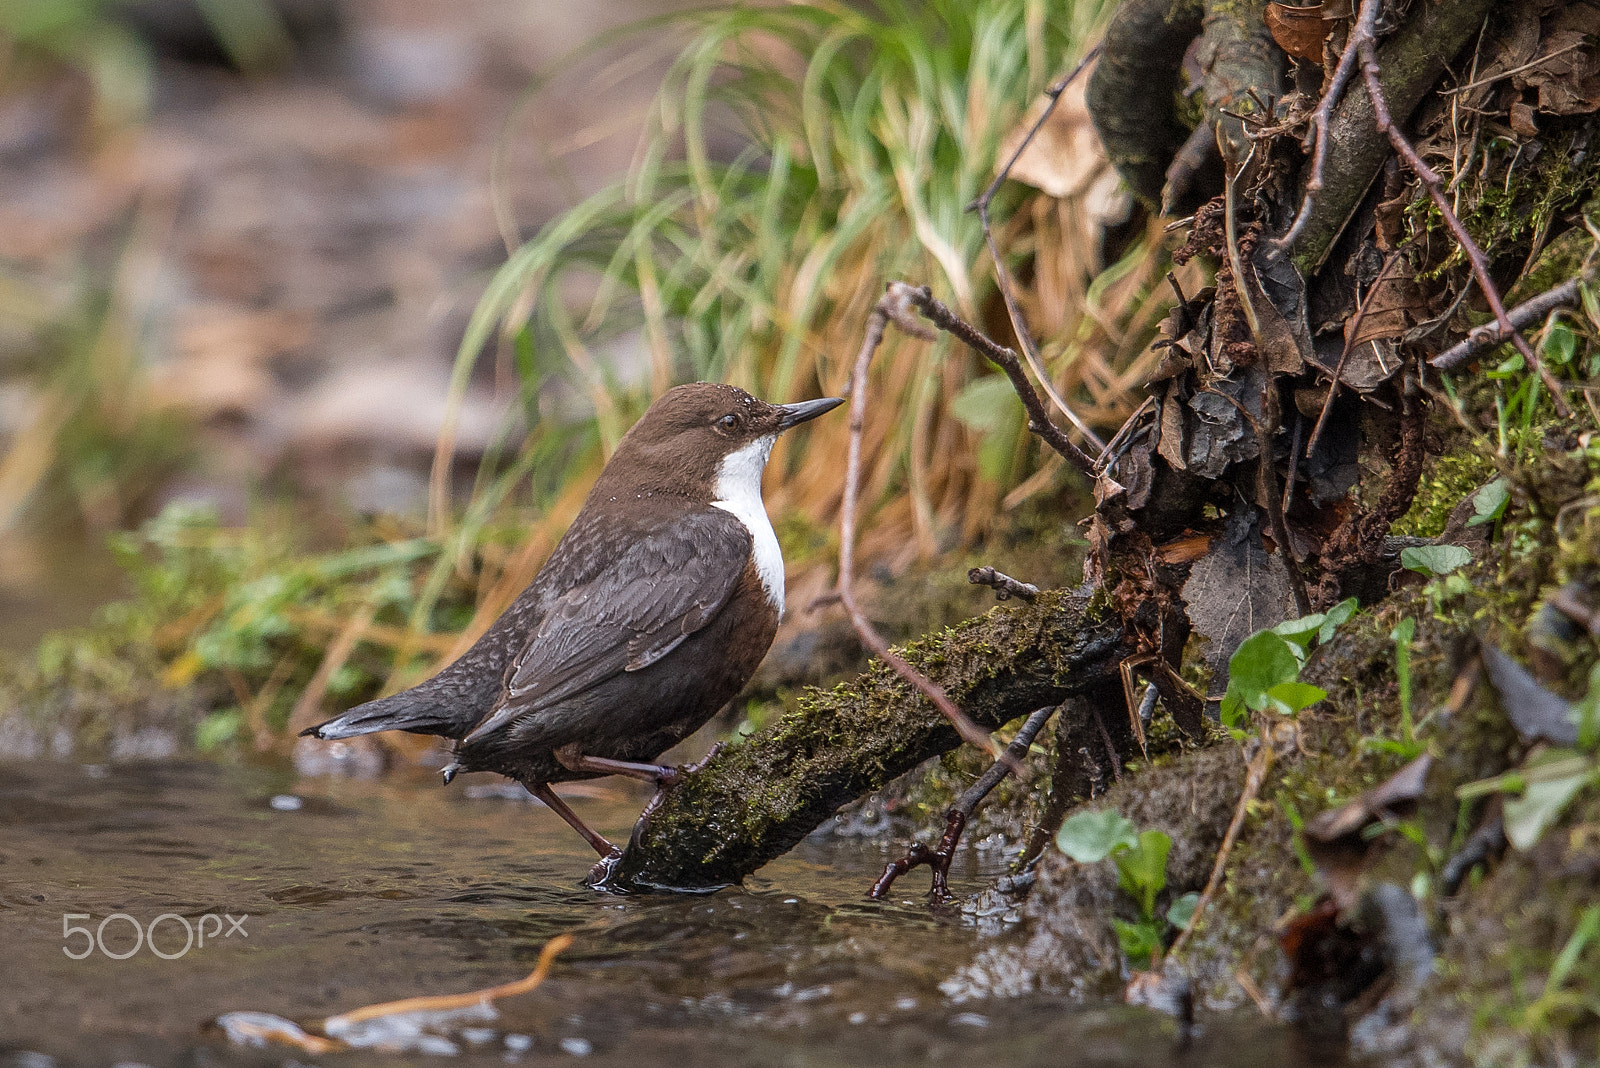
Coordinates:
(729,422)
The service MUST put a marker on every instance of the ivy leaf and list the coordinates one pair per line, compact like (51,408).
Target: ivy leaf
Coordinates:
(1336,617)
(1091,836)
(1489,503)
(1301,631)
(1434,560)
(1263,661)
(1181,911)
(1295,696)
(1138,941)
(1142,870)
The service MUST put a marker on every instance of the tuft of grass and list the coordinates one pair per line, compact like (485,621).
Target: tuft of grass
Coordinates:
(866,130)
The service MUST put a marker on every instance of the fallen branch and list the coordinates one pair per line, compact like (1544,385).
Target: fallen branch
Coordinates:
(1019,325)
(1005,587)
(1317,137)
(755,801)
(1007,360)
(1485,337)
(890,307)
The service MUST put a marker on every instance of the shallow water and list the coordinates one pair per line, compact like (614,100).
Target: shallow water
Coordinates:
(332,894)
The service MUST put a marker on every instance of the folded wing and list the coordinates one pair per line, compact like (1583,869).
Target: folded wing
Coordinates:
(670,583)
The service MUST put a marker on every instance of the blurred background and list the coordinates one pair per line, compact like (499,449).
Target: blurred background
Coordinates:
(317,318)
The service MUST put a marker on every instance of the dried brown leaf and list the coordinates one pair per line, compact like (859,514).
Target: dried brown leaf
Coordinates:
(1299,31)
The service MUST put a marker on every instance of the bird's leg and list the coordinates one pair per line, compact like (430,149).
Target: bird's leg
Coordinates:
(659,775)
(608,852)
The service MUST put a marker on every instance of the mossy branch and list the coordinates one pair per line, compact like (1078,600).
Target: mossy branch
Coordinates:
(1410,63)
(755,801)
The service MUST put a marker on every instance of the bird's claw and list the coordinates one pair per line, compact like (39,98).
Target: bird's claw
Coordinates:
(599,877)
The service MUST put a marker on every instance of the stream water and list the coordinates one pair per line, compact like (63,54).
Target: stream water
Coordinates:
(332,894)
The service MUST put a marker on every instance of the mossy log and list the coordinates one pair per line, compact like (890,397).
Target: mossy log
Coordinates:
(755,801)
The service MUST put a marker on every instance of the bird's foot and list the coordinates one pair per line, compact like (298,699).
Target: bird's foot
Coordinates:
(668,779)
(599,877)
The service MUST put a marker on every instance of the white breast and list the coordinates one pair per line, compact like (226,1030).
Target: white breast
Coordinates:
(739,493)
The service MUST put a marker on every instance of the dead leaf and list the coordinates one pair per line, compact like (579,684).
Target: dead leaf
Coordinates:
(1277,295)
(1337,841)
(1170,443)
(1391,308)
(1521,119)
(1235,590)
(1299,31)
(1538,714)
(1065,157)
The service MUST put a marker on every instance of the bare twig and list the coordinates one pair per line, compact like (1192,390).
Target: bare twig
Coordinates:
(1317,136)
(1003,277)
(1367,50)
(957,815)
(1005,359)
(1255,775)
(1492,78)
(1005,587)
(1491,334)
(891,307)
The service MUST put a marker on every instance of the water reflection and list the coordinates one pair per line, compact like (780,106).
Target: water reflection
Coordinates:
(368,892)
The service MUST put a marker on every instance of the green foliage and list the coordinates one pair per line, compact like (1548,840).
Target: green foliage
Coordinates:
(1435,560)
(1489,503)
(1090,837)
(1142,869)
(1141,860)
(1264,672)
(252,613)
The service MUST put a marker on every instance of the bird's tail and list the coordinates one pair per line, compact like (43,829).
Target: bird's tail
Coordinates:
(407,711)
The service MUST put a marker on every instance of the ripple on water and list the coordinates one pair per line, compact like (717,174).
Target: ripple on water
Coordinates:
(373,891)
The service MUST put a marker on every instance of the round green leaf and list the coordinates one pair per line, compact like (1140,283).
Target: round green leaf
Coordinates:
(1091,836)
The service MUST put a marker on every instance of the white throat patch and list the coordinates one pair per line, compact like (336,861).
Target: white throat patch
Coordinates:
(739,493)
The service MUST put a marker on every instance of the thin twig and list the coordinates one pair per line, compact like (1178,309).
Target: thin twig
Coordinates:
(1254,777)
(1005,587)
(1005,359)
(958,815)
(1030,350)
(1490,79)
(1317,136)
(1489,334)
(1367,49)
(891,307)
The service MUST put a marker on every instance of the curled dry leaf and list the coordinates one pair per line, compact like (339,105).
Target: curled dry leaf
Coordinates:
(1538,714)
(1337,841)
(1299,31)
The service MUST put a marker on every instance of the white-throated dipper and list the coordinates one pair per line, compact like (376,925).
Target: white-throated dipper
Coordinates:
(653,611)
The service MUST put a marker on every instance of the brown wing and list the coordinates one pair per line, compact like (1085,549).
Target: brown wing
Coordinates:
(667,585)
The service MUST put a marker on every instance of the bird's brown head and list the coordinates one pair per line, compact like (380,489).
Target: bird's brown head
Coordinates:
(702,441)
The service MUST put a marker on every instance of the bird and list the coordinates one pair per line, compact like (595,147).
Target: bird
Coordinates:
(651,613)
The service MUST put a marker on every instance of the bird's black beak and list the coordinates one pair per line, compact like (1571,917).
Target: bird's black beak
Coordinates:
(798,412)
